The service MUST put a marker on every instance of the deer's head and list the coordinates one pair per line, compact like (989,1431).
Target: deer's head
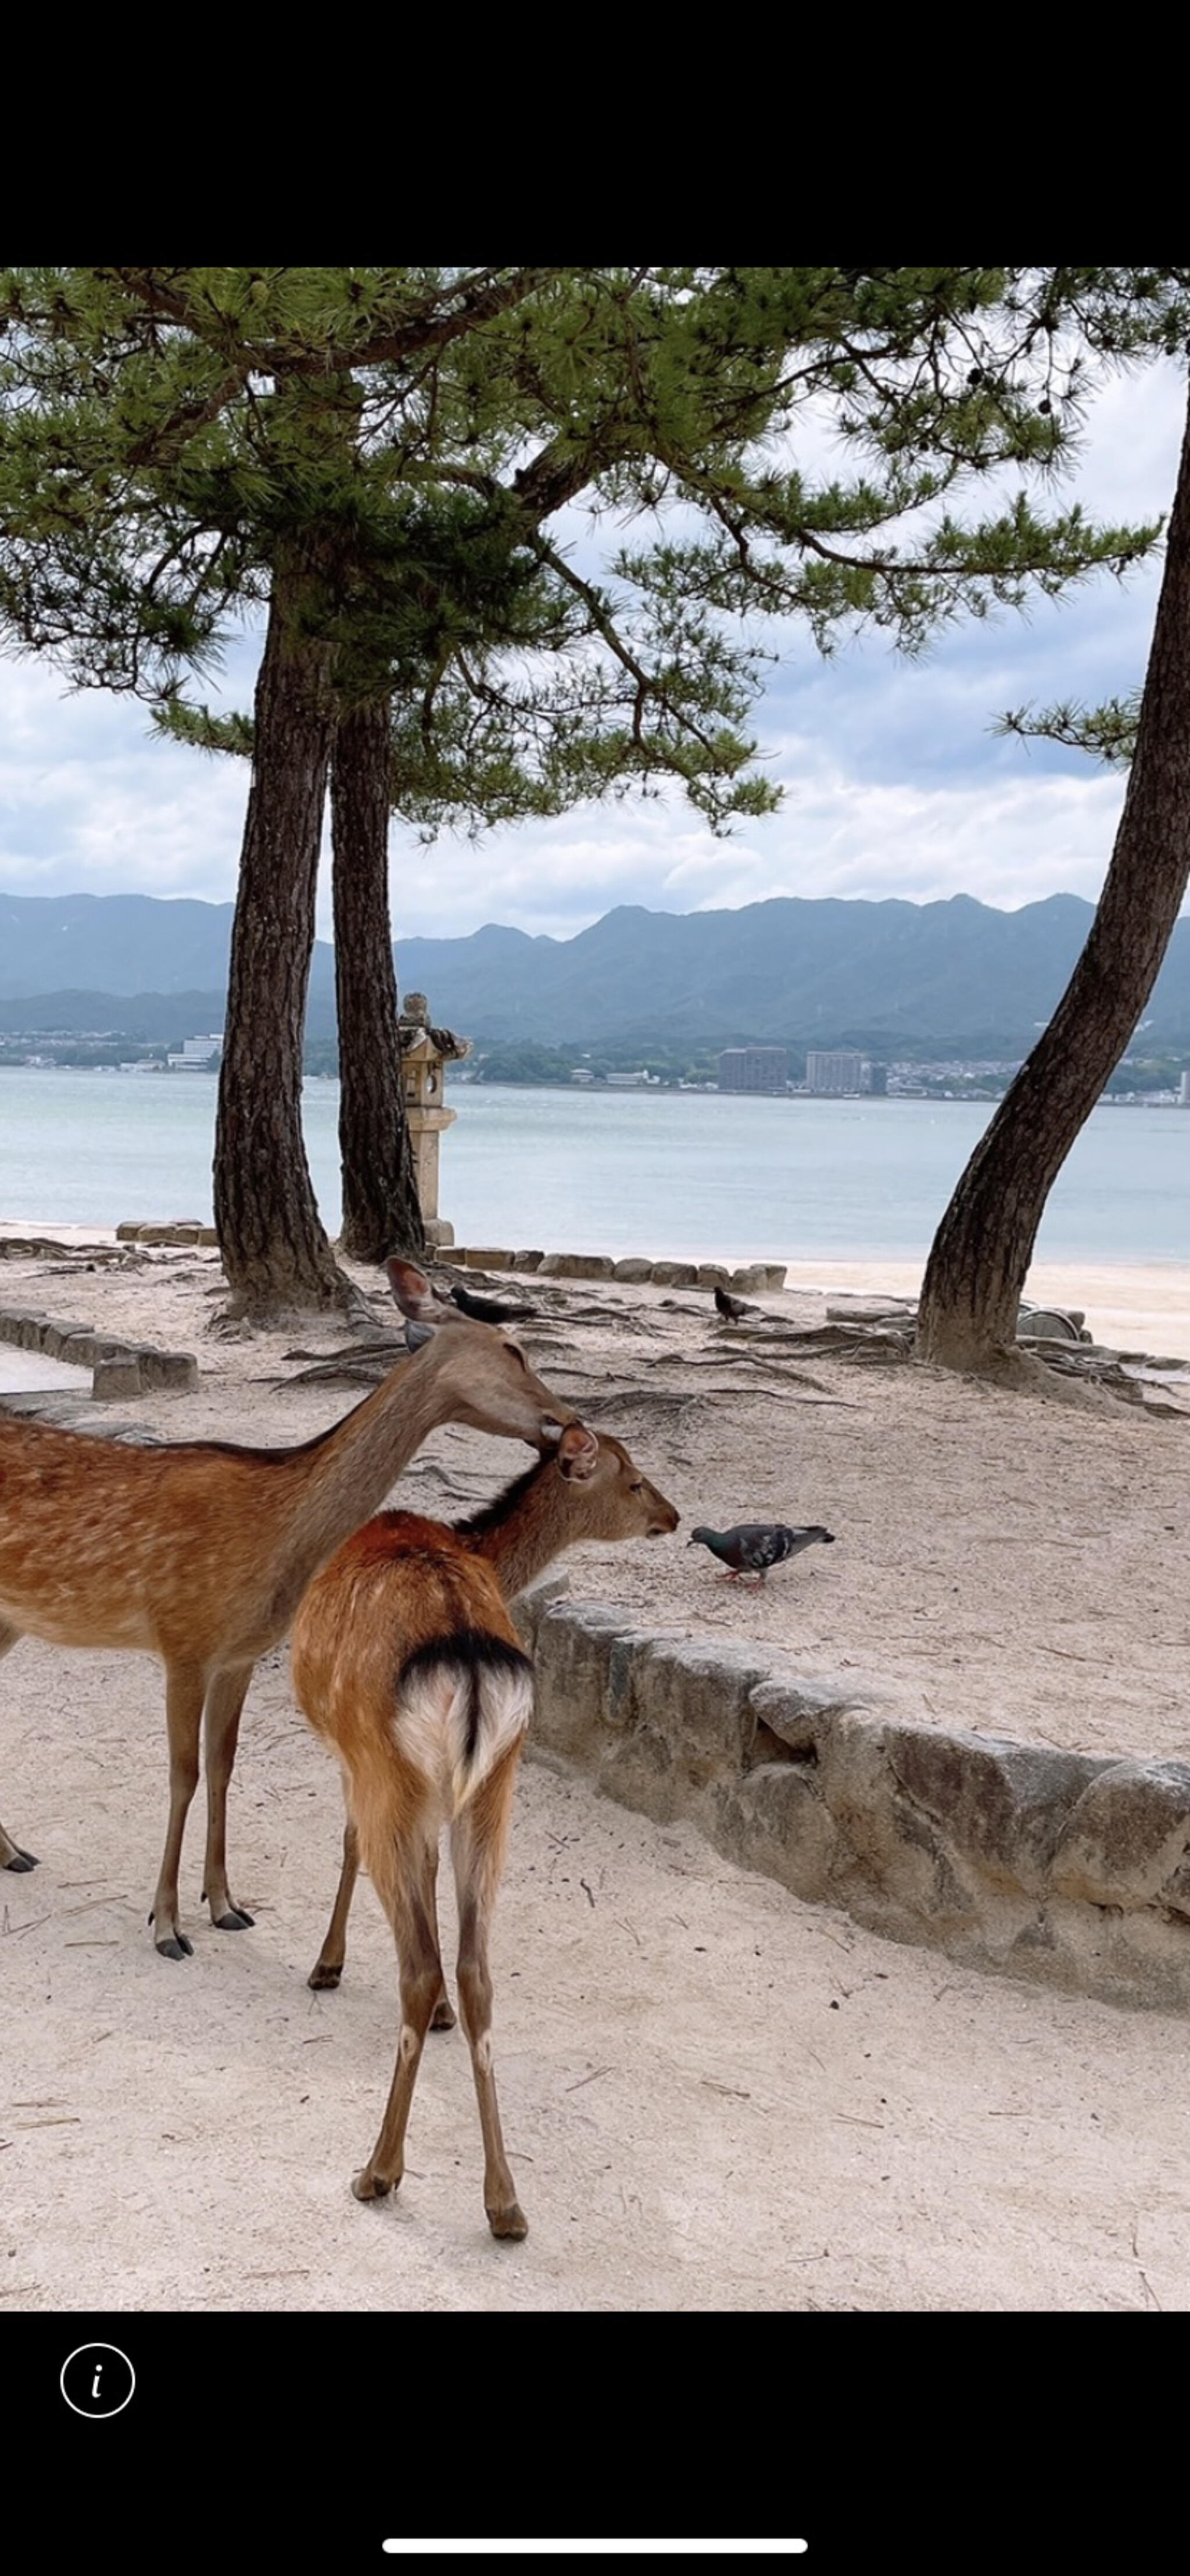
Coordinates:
(619,1502)
(489,1381)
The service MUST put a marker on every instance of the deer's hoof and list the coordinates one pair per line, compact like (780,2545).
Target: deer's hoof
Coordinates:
(509,2224)
(235,1920)
(21,1861)
(322,1979)
(178,1947)
(370,2186)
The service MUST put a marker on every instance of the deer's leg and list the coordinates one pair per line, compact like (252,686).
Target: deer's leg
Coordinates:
(11,1854)
(444,2015)
(225,1700)
(328,1966)
(478,1837)
(185,1690)
(406,1887)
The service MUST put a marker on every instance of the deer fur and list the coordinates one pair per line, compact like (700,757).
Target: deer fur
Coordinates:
(199,1551)
(406,1663)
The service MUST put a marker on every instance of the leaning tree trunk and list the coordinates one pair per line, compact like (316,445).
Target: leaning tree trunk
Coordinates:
(275,1252)
(381,1213)
(983,1247)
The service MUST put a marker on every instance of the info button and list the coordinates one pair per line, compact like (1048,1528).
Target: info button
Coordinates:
(97,2379)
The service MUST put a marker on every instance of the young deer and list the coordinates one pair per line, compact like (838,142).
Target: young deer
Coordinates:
(407,1664)
(199,1552)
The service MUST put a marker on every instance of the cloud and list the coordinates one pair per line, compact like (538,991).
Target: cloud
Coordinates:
(1008,845)
(894,782)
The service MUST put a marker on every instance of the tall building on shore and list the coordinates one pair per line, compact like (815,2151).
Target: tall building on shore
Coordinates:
(835,1069)
(758,1068)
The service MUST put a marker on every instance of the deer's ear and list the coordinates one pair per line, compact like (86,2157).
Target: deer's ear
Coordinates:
(417,1335)
(578,1452)
(412,1289)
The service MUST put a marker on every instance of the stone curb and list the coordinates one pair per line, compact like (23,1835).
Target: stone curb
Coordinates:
(180,1230)
(599,1265)
(1068,1869)
(118,1369)
(551,1265)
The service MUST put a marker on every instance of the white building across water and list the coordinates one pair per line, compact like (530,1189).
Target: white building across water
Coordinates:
(835,1069)
(199,1055)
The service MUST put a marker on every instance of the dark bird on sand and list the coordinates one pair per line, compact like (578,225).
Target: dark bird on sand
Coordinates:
(753,1546)
(733,1309)
(488,1310)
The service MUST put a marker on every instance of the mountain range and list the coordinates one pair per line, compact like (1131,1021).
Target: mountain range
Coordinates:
(893,978)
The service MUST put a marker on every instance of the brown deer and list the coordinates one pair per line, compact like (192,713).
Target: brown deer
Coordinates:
(406,1662)
(199,1551)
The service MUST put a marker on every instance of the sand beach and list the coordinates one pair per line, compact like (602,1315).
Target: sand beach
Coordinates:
(862,2125)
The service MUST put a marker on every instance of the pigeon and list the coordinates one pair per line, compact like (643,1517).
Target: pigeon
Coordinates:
(753,1546)
(486,1310)
(732,1309)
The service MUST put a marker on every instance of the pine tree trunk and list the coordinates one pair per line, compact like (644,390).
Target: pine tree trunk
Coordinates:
(275,1252)
(380,1204)
(983,1247)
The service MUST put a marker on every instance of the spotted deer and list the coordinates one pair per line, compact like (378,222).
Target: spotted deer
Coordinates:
(199,1551)
(407,1664)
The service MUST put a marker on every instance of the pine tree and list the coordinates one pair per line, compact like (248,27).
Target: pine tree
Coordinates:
(979,1260)
(391,461)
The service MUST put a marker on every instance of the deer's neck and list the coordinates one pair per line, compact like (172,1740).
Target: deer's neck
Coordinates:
(347,1477)
(543,1518)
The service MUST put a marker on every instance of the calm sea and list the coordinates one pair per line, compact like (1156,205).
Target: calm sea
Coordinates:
(663,1173)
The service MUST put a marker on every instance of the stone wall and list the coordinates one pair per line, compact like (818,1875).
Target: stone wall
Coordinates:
(118,1369)
(1066,1868)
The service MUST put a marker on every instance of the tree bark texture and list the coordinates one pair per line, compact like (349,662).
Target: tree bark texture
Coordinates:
(982,1250)
(381,1213)
(275,1252)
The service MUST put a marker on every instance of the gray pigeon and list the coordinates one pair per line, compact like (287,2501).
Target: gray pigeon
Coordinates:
(753,1546)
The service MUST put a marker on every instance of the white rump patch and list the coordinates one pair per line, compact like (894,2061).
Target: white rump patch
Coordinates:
(430,1725)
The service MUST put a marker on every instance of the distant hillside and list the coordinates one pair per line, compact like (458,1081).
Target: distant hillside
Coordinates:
(111,943)
(888,977)
(893,978)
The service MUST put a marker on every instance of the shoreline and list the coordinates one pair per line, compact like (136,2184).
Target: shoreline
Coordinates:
(1130,1305)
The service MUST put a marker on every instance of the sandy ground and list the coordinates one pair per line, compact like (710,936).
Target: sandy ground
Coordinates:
(1131,1306)
(714,2096)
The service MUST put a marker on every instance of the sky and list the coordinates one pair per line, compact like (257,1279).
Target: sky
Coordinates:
(894,784)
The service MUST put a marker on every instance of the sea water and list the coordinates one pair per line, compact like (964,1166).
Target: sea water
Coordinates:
(661,1173)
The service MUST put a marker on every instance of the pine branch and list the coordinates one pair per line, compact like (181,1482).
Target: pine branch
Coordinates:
(1107,732)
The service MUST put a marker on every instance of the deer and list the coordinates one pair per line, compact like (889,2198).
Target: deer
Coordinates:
(406,1662)
(199,1551)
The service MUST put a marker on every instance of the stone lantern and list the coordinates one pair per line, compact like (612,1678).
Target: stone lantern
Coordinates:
(425,1051)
